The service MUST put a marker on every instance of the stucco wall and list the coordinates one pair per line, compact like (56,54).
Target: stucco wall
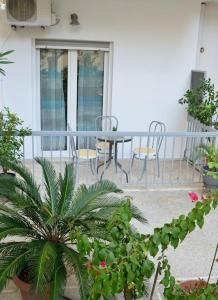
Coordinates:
(154,51)
(209,58)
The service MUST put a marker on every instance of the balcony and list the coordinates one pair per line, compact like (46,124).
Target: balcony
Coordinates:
(175,164)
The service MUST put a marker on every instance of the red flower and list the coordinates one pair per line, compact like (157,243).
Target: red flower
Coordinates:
(103,264)
(193,196)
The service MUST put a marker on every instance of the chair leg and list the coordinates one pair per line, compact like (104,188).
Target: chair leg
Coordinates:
(91,166)
(132,161)
(158,166)
(144,168)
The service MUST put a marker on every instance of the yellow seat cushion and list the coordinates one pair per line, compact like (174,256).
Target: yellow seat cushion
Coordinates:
(144,151)
(102,145)
(86,154)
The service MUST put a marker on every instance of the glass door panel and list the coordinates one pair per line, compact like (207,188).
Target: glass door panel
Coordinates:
(90,87)
(53,94)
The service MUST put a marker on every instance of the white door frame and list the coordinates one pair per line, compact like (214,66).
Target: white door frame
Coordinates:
(72,94)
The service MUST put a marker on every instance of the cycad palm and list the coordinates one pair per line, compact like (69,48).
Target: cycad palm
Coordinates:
(44,224)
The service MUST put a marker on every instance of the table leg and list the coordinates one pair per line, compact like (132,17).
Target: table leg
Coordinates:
(108,162)
(117,164)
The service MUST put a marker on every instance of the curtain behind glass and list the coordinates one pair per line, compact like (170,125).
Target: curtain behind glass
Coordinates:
(53,87)
(90,92)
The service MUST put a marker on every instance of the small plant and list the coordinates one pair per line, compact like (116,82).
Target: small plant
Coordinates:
(11,136)
(209,156)
(4,60)
(50,224)
(121,265)
(114,128)
(202,104)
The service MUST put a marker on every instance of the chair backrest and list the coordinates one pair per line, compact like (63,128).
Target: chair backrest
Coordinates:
(106,123)
(72,143)
(156,141)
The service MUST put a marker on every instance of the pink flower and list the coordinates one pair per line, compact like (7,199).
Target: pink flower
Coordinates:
(193,196)
(103,264)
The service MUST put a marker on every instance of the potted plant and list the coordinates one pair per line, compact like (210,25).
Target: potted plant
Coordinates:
(4,60)
(202,103)
(11,136)
(209,157)
(49,226)
(200,287)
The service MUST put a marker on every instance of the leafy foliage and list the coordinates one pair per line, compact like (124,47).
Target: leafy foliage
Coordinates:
(172,290)
(49,224)
(11,135)
(4,60)
(173,234)
(209,155)
(122,264)
(125,262)
(202,104)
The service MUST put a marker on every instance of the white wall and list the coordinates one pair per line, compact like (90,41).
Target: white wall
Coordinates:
(209,58)
(154,51)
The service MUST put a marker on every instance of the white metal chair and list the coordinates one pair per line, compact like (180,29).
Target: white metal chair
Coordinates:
(152,150)
(105,123)
(83,155)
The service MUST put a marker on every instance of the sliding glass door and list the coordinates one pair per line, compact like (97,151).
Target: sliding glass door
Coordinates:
(54,100)
(72,85)
(89,91)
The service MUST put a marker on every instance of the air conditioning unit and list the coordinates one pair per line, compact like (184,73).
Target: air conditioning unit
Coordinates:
(29,13)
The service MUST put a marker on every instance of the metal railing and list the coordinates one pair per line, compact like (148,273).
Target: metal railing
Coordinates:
(176,163)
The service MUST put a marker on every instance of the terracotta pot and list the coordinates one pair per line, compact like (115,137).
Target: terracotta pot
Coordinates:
(190,285)
(25,290)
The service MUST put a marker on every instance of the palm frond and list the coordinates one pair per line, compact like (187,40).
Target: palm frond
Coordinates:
(51,184)
(42,263)
(58,282)
(73,259)
(4,60)
(12,226)
(84,196)
(28,185)
(66,188)
(12,263)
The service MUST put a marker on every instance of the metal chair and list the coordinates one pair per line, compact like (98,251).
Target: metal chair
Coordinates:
(82,155)
(152,149)
(105,123)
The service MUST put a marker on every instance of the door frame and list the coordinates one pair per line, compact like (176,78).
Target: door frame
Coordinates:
(72,91)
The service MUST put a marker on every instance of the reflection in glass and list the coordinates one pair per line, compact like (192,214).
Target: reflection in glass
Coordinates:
(53,87)
(90,91)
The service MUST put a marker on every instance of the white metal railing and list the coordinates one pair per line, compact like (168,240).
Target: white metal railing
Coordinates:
(176,163)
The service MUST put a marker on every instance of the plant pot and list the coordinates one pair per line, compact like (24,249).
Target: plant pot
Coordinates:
(25,290)
(8,174)
(191,285)
(210,183)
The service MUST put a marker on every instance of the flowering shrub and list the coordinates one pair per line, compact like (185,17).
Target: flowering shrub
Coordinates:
(124,262)
(121,264)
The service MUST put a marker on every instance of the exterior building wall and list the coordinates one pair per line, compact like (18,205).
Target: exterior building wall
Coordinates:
(208,60)
(155,46)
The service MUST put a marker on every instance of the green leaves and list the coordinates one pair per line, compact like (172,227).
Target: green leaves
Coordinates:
(51,185)
(58,281)
(12,262)
(122,263)
(175,232)
(202,103)
(12,135)
(4,60)
(42,263)
(66,189)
